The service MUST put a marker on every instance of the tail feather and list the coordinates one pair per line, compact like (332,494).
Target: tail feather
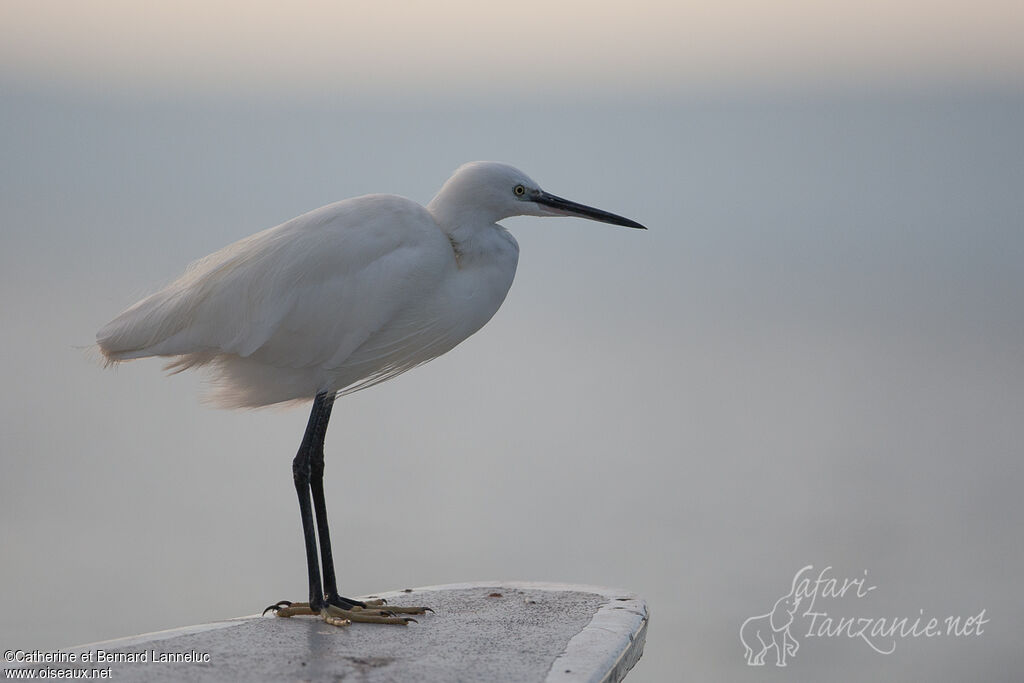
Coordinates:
(144,328)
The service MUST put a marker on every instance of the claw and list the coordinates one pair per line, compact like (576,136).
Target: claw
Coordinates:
(277,605)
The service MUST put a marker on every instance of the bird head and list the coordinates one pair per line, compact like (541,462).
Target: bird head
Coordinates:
(492,191)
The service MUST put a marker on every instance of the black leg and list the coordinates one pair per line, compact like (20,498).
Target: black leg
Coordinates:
(316,484)
(302,469)
(308,472)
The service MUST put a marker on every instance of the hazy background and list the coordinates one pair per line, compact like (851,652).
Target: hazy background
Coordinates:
(814,356)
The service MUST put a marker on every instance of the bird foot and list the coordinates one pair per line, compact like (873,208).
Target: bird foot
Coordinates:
(369,612)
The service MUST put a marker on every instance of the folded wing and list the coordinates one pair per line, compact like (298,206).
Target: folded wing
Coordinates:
(286,306)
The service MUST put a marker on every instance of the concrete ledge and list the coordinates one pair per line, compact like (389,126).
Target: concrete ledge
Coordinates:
(481,631)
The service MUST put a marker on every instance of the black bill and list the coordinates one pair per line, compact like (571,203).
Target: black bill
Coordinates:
(570,208)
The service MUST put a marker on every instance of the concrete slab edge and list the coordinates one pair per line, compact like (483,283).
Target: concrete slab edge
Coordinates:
(604,651)
(156,636)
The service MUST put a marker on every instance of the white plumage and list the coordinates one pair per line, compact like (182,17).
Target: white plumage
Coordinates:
(345,296)
(337,300)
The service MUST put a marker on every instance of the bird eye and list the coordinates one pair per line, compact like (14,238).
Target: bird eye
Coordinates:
(519,190)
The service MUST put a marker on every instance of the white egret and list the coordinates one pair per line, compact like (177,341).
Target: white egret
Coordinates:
(334,301)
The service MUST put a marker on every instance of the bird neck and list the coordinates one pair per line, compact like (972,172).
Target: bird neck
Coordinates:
(461,224)
(475,241)
(458,209)
(475,238)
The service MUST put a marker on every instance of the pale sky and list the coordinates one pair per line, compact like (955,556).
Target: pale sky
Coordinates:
(534,45)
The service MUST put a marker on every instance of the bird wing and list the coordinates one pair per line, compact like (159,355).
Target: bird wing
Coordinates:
(305,293)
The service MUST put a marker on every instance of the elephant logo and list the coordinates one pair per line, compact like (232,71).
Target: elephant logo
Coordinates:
(766,631)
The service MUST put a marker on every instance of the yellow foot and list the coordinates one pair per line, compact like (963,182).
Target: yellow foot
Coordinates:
(375,612)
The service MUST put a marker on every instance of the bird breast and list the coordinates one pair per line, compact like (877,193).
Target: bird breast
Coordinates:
(469,292)
(474,291)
